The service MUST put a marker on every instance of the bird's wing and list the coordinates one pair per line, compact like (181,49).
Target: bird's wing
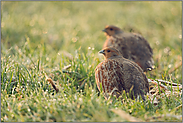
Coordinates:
(135,47)
(134,76)
(143,43)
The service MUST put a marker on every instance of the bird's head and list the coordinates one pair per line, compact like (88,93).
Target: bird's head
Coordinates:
(111,30)
(110,52)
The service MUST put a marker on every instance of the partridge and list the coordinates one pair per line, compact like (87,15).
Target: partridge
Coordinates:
(131,45)
(116,74)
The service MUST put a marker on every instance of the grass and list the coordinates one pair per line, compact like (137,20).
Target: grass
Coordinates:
(39,39)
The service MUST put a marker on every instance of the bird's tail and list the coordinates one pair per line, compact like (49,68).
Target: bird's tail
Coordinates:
(150,64)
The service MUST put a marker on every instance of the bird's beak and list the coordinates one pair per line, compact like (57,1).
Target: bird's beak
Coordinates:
(102,51)
(104,30)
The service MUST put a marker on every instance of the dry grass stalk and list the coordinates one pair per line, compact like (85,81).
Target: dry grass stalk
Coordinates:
(179,117)
(126,116)
(160,90)
(66,67)
(51,82)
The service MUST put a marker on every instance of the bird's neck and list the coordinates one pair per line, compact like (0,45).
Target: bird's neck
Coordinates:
(118,32)
(113,57)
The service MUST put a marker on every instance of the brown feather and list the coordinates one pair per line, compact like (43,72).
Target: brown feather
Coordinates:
(118,74)
(132,46)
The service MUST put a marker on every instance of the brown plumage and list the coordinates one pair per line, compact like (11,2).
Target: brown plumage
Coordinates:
(131,45)
(116,74)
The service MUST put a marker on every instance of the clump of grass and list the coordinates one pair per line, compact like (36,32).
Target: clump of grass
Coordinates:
(37,44)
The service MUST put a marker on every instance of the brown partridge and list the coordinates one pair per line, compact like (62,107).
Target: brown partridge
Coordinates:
(131,45)
(116,74)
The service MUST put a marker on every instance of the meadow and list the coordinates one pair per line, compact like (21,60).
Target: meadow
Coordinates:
(60,40)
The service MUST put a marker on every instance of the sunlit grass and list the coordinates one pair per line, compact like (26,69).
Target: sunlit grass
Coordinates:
(40,38)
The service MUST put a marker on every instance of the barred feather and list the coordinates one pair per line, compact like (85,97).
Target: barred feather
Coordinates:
(117,74)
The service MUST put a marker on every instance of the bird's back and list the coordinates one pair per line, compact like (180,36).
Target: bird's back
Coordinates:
(119,74)
(133,47)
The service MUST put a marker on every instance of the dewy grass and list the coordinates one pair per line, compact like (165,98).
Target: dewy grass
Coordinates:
(40,38)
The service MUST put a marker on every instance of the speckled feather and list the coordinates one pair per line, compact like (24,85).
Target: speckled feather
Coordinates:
(117,74)
(131,45)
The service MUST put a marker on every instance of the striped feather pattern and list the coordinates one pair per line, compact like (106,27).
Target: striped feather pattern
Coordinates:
(116,74)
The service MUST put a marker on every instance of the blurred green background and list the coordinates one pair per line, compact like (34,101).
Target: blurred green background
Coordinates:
(75,24)
(67,26)
(39,38)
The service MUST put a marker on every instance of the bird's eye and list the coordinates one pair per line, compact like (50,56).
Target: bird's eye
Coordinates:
(111,29)
(108,51)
